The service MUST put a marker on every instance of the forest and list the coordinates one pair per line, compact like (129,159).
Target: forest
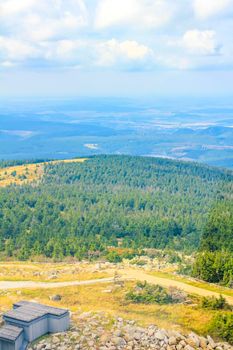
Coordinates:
(137,202)
(214,261)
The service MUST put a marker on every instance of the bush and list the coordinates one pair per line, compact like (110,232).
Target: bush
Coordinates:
(214,267)
(153,294)
(185,269)
(118,255)
(173,258)
(222,327)
(213,303)
(139,262)
(114,257)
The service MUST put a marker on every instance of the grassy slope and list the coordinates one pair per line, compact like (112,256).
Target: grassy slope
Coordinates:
(28,173)
(97,298)
(100,297)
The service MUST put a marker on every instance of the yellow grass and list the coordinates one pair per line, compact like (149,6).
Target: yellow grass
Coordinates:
(195,283)
(95,298)
(98,297)
(49,272)
(27,173)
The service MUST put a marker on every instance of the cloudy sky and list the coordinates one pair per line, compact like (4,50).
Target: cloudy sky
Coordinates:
(116,47)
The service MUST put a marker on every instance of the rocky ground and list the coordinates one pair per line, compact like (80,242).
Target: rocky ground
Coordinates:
(97,332)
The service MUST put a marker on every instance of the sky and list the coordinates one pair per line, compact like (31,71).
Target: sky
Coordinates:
(116,47)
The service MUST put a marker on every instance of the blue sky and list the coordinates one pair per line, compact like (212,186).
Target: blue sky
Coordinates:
(116,47)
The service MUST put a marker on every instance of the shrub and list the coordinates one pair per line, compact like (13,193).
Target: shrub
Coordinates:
(114,257)
(213,303)
(153,294)
(139,262)
(185,269)
(173,258)
(222,327)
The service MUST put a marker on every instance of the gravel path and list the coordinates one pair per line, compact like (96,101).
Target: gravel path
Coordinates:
(126,274)
(32,284)
(166,282)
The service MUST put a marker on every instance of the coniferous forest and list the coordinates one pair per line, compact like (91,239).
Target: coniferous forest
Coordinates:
(76,208)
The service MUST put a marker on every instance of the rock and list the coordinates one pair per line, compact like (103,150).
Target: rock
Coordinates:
(53,277)
(159,335)
(188,347)
(137,336)
(203,342)
(98,332)
(118,341)
(172,341)
(211,342)
(55,340)
(56,297)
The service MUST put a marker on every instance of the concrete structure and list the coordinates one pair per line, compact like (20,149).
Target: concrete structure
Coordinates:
(29,321)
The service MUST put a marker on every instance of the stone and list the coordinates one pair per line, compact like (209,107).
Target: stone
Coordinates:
(56,297)
(172,341)
(211,342)
(97,332)
(159,335)
(188,347)
(118,341)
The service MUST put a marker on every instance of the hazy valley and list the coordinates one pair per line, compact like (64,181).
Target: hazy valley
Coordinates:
(198,131)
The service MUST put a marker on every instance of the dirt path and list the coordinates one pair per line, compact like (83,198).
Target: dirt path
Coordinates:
(165,282)
(126,274)
(32,284)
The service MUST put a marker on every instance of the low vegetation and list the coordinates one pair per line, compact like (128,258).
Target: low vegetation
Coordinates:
(213,303)
(154,294)
(49,272)
(222,327)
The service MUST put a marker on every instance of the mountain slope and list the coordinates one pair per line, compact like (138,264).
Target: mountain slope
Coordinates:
(81,207)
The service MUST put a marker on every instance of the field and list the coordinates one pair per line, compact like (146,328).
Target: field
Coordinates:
(108,297)
(28,173)
(38,272)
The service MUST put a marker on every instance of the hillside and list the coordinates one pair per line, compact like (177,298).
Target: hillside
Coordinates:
(75,208)
(19,173)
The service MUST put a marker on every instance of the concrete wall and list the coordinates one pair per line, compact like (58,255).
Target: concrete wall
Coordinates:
(41,326)
(4,345)
(58,324)
(36,329)
(19,342)
(32,330)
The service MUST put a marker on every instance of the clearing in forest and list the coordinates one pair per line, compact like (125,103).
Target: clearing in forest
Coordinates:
(27,173)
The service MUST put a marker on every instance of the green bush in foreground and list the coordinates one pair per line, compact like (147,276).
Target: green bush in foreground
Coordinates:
(154,294)
(214,267)
(222,327)
(213,303)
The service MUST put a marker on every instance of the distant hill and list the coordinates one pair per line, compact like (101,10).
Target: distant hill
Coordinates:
(57,129)
(73,208)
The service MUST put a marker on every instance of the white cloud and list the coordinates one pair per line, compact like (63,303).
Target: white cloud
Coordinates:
(61,50)
(78,33)
(200,42)
(137,13)
(113,51)
(16,50)
(40,28)
(208,8)
(13,7)
(42,20)
(7,64)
